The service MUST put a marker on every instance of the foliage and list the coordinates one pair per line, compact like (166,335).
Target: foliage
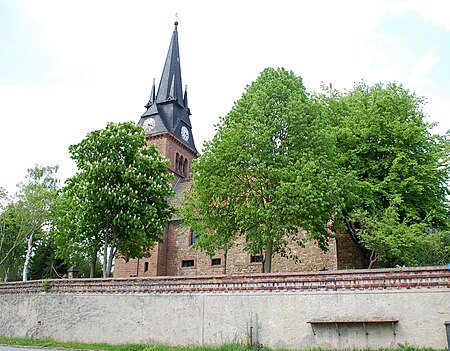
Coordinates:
(45,264)
(46,285)
(25,219)
(267,173)
(396,242)
(12,246)
(402,172)
(117,201)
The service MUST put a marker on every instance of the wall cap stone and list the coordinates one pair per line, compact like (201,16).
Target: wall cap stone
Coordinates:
(343,280)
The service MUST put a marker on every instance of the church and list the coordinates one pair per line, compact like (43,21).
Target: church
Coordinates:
(167,125)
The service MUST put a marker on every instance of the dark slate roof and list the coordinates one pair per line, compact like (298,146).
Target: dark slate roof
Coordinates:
(170,86)
(169,106)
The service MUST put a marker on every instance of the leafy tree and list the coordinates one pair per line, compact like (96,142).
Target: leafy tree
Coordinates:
(45,264)
(12,246)
(268,174)
(117,201)
(26,217)
(35,199)
(401,169)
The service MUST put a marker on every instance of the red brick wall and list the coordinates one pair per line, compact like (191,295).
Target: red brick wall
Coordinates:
(137,267)
(168,146)
(374,279)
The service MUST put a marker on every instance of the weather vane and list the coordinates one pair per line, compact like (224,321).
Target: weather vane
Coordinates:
(176,16)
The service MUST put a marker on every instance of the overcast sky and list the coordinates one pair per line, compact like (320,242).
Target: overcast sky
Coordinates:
(70,67)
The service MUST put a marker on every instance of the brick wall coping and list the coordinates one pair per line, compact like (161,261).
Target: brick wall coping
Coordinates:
(345,280)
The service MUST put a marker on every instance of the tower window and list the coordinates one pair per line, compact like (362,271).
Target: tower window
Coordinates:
(146,267)
(177,160)
(185,164)
(180,165)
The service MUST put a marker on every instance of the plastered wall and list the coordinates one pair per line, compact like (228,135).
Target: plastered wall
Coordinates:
(273,309)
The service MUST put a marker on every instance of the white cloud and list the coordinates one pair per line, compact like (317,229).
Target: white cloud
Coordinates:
(435,11)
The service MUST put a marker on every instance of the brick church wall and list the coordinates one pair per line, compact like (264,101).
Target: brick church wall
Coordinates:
(167,258)
(143,267)
(310,257)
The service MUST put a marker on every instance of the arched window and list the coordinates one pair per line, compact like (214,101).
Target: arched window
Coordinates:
(180,166)
(177,162)
(185,166)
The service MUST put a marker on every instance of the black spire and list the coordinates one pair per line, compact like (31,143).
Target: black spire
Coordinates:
(168,110)
(185,100)
(152,96)
(170,87)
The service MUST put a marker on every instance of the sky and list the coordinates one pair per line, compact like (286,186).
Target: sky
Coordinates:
(69,67)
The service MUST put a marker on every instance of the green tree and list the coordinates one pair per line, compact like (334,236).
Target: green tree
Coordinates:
(35,199)
(27,217)
(12,246)
(117,201)
(402,171)
(45,264)
(268,174)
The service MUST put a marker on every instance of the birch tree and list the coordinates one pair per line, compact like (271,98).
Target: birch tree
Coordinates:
(27,215)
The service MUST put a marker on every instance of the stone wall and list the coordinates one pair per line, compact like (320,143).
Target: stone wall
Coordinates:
(177,247)
(273,308)
(349,255)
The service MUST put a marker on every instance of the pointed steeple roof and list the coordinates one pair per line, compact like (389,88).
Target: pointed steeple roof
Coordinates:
(168,108)
(185,100)
(170,86)
(152,96)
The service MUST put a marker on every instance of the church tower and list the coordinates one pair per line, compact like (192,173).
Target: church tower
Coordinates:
(167,125)
(166,121)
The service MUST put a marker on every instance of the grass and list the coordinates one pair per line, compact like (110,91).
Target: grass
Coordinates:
(147,347)
(107,347)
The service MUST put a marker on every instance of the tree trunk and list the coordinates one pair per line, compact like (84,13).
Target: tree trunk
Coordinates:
(5,279)
(93,266)
(27,258)
(105,255)
(267,264)
(225,256)
(373,258)
(364,253)
(112,253)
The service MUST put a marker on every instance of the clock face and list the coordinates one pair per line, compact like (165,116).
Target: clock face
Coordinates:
(148,125)
(185,133)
